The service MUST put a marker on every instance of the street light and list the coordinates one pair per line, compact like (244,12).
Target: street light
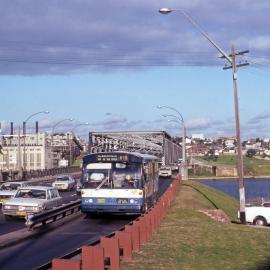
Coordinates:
(78,125)
(53,129)
(60,122)
(72,134)
(28,118)
(181,120)
(24,136)
(232,61)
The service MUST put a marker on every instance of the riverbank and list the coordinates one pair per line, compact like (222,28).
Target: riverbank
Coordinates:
(226,165)
(189,239)
(265,177)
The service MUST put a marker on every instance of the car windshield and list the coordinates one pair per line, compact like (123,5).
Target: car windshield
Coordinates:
(10,186)
(62,179)
(31,193)
(164,169)
(118,175)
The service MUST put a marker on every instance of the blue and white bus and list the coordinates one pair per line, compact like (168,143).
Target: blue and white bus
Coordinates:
(118,182)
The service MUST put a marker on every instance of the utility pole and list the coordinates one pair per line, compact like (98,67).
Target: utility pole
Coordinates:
(232,60)
(70,149)
(234,68)
(20,169)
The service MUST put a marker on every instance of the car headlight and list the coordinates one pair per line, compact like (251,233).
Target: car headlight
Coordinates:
(21,208)
(7,207)
(37,208)
(131,201)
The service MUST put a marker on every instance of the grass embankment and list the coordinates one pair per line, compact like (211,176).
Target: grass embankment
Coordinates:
(188,239)
(252,166)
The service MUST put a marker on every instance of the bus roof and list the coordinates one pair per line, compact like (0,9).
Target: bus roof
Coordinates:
(133,157)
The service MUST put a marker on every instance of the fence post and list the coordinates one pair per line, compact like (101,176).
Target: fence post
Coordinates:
(92,258)
(125,243)
(142,226)
(111,250)
(61,264)
(135,236)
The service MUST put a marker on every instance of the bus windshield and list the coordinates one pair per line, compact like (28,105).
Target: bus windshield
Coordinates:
(112,175)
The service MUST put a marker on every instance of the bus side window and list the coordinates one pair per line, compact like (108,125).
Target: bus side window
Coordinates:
(148,172)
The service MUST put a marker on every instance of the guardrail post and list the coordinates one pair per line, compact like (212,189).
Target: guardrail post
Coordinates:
(111,250)
(135,236)
(125,243)
(145,219)
(62,264)
(142,226)
(92,258)
(152,220)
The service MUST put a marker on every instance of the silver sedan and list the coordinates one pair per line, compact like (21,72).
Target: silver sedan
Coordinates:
(64,182)
(30,200)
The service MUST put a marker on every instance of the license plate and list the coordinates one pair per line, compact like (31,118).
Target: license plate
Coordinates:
(120,200)
(100,200)
(21,213)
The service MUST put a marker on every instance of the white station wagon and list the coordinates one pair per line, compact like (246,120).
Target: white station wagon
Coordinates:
(9,189)
(165,171)
(30,200)
(64,182)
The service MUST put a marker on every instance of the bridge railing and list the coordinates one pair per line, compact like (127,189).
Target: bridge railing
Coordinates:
(50,172)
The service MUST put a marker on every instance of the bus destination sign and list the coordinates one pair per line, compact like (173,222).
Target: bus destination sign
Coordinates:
(119,158)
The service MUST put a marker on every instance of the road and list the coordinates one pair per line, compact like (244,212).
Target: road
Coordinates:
(36,251)
(7,226)
(17,224)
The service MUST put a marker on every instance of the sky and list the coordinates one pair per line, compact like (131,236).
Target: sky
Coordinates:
(110,63)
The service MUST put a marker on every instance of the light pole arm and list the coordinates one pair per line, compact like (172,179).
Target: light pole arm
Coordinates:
(171,108)
(55,125)
(206,36)
(28,118)
(189,18)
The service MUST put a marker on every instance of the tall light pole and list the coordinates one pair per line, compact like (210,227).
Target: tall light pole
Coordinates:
(232,64)
(184,167)
(53,129)
(181,119)
(78,125)
(24,136)
(60,122)
(70,145)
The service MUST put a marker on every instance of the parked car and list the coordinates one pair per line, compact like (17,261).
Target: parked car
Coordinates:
(165,171)
(64,182)
(258,214)
(9,189)
(30,200)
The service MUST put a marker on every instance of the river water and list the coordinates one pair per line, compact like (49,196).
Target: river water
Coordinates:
(254,188)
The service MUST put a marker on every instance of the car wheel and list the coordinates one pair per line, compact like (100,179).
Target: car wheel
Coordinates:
(260,221)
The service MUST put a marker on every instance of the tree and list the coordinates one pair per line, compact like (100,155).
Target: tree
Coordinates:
(210,155)
(250,153)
